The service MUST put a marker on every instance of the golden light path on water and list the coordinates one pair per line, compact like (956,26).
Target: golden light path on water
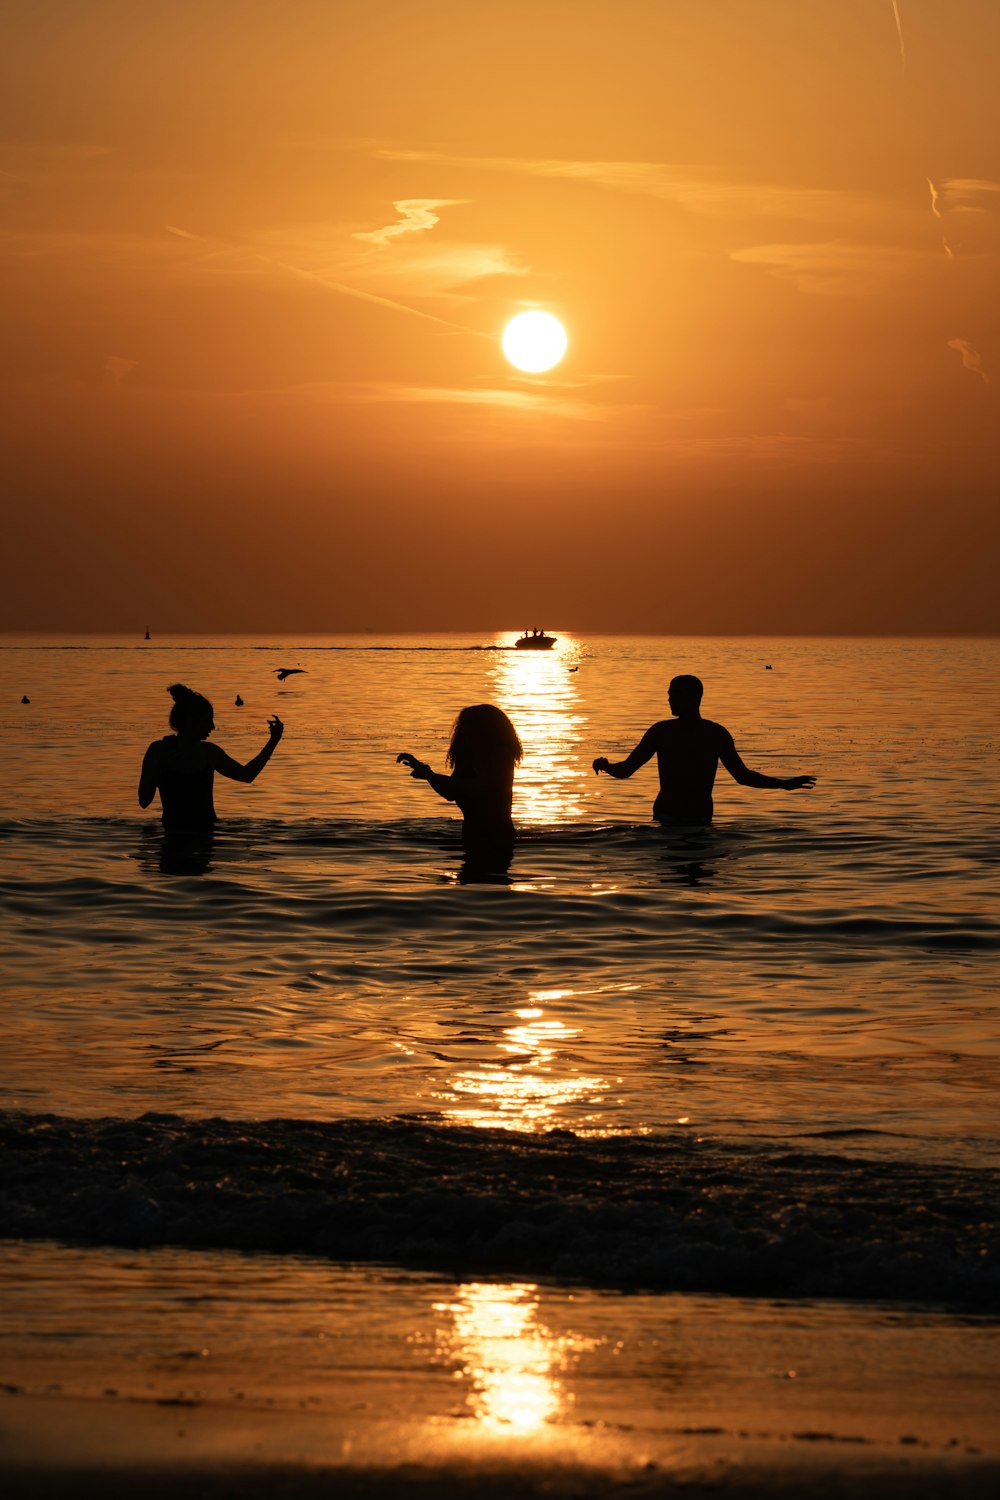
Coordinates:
(536,1084)
(537,691)
(511,1361)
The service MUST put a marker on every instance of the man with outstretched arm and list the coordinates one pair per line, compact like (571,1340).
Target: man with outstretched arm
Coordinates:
(688,749)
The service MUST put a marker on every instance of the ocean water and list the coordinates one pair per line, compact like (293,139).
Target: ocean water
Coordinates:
(760,1057)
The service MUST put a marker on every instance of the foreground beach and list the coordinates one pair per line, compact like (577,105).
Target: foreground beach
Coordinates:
(232,1375)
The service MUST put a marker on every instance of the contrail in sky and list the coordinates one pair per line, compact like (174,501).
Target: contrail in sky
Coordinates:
(334,286)
(933,190)
(899,33)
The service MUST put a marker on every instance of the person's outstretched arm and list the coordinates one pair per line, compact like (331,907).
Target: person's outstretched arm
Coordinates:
(621,770)
(730,758)
(421,771)
(226,766)
(148,780)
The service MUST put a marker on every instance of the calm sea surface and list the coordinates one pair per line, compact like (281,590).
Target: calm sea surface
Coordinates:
(807,988)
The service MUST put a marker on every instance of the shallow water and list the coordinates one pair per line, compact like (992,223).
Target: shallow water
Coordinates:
(817,970)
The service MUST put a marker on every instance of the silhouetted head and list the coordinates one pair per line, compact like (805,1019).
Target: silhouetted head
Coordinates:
(684,695)
(191,714)
(482,732)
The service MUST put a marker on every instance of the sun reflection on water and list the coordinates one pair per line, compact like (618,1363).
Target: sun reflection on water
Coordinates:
(511,1361)
(535,1083)
(537,691)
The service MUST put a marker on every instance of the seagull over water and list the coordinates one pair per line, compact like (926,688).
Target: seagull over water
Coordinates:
(282,672)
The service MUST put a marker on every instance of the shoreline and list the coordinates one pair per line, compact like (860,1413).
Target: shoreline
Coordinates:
(670,1213)
(264,1376)
(258,1455)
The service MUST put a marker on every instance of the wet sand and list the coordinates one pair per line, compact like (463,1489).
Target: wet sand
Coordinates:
(229,1375)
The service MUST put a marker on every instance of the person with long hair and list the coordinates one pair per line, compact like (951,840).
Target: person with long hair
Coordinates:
(182,766)
(483,753)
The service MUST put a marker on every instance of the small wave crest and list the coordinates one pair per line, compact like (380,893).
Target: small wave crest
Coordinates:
(283,877)
(666,1212)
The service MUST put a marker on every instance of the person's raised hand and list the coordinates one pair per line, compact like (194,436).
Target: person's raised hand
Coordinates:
(275,728)
(417,767)
(601,764)
(796,783)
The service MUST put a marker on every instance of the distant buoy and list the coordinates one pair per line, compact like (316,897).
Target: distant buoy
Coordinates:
(239,701)
(147,636)
(25,699)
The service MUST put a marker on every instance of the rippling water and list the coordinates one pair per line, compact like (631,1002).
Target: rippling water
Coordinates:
(816,972)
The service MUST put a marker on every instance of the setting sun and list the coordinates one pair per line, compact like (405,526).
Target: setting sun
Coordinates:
(534,341)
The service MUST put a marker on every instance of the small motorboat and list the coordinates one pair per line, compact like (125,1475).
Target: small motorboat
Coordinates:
(535,640)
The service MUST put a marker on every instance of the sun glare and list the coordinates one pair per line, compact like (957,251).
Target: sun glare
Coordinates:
(534,341)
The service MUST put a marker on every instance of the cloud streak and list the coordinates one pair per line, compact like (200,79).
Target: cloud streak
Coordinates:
(833,268)
(340,288)
(416,215)
(972,360)
(691,188)
(936,211)
(899,33)
(970,195)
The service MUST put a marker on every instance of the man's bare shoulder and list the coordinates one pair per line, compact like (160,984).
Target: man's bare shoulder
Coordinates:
(659,729)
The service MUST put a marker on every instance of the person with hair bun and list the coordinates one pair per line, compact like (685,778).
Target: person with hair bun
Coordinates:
(483,752)
(182,766)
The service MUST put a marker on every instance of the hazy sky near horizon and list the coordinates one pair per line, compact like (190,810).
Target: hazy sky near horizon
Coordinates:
(257,257)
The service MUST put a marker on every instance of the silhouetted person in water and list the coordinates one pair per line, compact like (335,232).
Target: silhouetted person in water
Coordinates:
(483,752)
(182,766)
(688,749)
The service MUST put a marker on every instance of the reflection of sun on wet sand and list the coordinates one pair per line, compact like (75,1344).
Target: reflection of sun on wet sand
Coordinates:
(295,1376)
(507,1357)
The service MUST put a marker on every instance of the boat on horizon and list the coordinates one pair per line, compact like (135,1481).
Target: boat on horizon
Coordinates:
(535,640)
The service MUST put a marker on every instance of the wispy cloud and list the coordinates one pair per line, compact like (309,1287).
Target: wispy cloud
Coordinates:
(116,369)
(833,268)
(970,195)
(33,155)
(536,402)
(447,271)
(972,360)
(320,255)
(936,211)
(692,188)
(415,216)
(238,251)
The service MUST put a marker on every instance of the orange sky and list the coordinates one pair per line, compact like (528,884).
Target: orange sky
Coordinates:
(256,258)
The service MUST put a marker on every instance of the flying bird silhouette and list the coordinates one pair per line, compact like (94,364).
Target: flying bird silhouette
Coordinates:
(282,672)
